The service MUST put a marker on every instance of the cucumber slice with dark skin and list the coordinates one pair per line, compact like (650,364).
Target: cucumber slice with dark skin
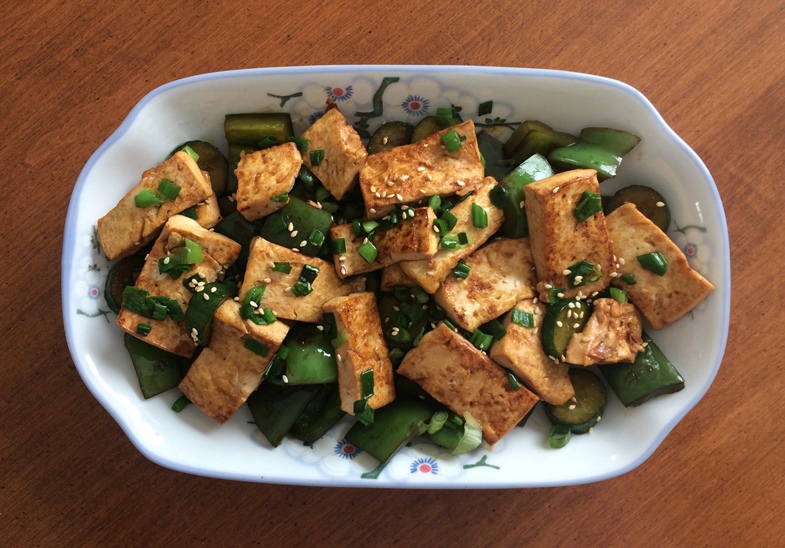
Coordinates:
(311,357)
(303,218)
(252,128)
(157,370)
(390,135)
(239,229)
(649,376)
(275,408)
(235,151)
(585,409)
(322,413)
(492,150)
(647,200)
(532,169)
(393,426)
(210,160)
(560,323)
(601,149)
(430,125)
(520,133)
(615,141)
(200,311)
(122,274)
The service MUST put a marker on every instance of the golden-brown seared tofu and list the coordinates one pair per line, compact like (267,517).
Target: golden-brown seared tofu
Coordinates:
(394,276)
(278,296)
(559,240)
(409,173)
(661,299)
(611,335)
(218,253)
(453,371)
(208,213)
(413,238)
(364,349)
(263,175)
(502,273)
(344,152)
(520,351)
(126,227)
(430,273)
(227,372)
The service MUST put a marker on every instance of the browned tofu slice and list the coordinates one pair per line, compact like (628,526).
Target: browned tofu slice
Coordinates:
(208,213)
(559,240)
(393,276)
(611,335)
(502,273)
(520,351)
(126,227)
(661,299)
(430,273)
(364,349)
(225,373)
(453,371)
(344,152)
(278,296)
(263,175)
(413,238)
(409,173)
(218,253)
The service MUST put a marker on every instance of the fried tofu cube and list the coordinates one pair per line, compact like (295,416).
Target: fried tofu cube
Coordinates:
(454,372)
(263,175)
(502,273)
(412,239)
(344,152)
(611,335)
(218,253)
(208,213)
(559,240)
(520,351)
(393,276)
(430,273)
(364,349)
(661,299)
(225,373)
(126,227)
(408,174)
(278,296)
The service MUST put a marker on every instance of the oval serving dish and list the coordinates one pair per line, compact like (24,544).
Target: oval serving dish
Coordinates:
(194,108)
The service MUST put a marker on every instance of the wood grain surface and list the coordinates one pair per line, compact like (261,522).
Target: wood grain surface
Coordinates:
(71,72)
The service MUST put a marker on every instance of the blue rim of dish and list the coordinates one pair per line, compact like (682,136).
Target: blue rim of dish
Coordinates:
(69,238)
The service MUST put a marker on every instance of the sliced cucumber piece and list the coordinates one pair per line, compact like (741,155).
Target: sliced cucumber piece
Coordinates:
(156,369)
(252,128)
(430,125)
(563,319)
(390,135)
(275,409)
(532,169)
(647,200)
(585,409)
(122,274)
(321,414)
(210,160)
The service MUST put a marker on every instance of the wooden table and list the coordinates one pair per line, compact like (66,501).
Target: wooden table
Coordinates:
(71,72)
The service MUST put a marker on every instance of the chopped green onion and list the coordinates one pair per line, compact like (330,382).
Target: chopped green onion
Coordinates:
(484,108)
(282,267)
(268,142)
(276,223)
(180,403)
(330,329)
(143,329)
(628,278)
(340,339)
(463,238)
(175,270)
(265,317)
(480,340)
(588,206)
(179,262)
(357,227)
(338,245)
(559,436)
(301,289)
(419,337)
(168,189)
(321,193)
(451,140)
(499,196)
(450,241)
(472,436)
(307,177)
(277,365)
(155,307)
(281,198)
(497,329)
(368,251)
(582,273)
(462,270)
(190,213)
(301,142)
(316,238)
(252,301)
(256,347)
(191,152)
(159,311)
(522,318)
(479,216)
(147,197)
(513,380)
(482,160)
(316,157)
(449,218)
(396,354)
(434,202)
(654,262)
(309,273)
(369,226)
(366,382)
(449,324)
(438,420)
(618,294)
(363,412)
(555,294)
(444,116)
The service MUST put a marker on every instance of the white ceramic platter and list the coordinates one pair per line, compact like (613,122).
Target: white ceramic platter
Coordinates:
(194,108)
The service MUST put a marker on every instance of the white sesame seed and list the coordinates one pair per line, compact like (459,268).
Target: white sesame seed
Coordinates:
(213,289)
(576,325)
(206,296)
(373,189)
(267,280)
(534,300)
(560,295)
(303,243)
(436,229)
(137,243)
(621,261)
(559,323)
(571,305)
(404,207)
(566,272)
(384,140)
(614,274)
(253,304)
(236,299)
(400,198)
(284,378)
(548,286)
(320,327)
(421,169)
(294,233)
(343,270)
(429,177)
(342,258)
(599,418)
(166,260)
(296,250)
(578,279)
(522,204)
(339,358)
(460,183)
(378,194)
(571,407)
(290,227)
(404,177)
(372,211)
(660,204)
(569,314)
(555,190)
(591,430)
